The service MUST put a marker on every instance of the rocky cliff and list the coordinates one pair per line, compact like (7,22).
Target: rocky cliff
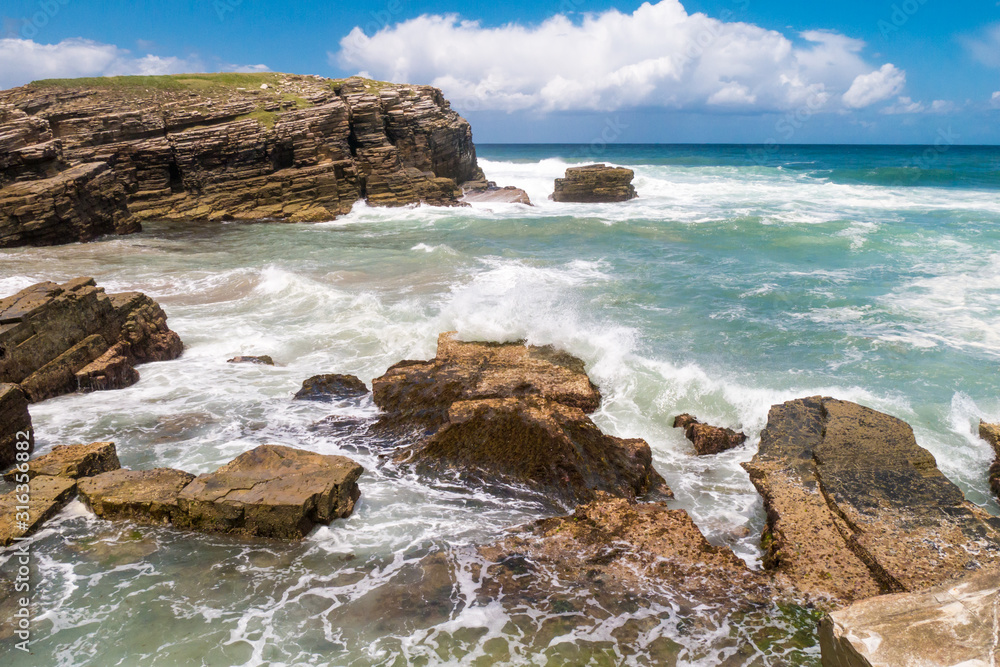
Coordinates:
(84,157)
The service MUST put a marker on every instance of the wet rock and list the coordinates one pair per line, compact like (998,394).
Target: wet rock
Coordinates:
(330,387)
(56,339)
(595,183)
(991,434)
(263,360)
(708,439)
(491,194)
(271,491)
(143,496)
(16,423)
(44,498)
(856,508)
(72,461)
(951,624)
(79,161)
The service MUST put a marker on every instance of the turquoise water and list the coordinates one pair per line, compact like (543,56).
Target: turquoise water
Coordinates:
(741,277)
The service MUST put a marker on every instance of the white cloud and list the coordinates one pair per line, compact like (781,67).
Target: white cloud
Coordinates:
(24,60)
(876,86)
(985,46)
(995,100)
(905,105)
(659,55)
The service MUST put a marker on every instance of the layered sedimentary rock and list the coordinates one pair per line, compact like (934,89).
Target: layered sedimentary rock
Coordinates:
(142,496)
(80,158)
(512,413)
(856,508)
(949,625)
(56,339)
(708,439)
(595,183)
(72,461)
(16,423)
(490,193)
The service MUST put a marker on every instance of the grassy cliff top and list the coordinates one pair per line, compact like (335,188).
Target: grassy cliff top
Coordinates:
(211,82)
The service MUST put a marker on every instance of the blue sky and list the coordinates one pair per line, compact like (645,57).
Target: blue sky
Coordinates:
(851,71)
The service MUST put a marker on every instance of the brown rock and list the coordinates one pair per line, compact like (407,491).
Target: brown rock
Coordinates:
(59,338)
(271,491)
(331,386)
(991,434)
(45,497)
(708,439)
(856,508)
(143,496)
(72,461)
(595,183)
(496,195)
(16,424)
(262,360)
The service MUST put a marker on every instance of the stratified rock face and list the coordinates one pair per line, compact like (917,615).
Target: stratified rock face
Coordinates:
(708,439)
(56,339)
(271,491)
(95,156)
(514,413)
(991,434)
(16,423)
(143,496)
(595,183)
(949,625)
(47,496)
(331,386)
(856,508)
(72,461)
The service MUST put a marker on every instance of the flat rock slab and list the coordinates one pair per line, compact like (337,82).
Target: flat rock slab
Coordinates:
(143,496)
(16,423)
(271,491)
(494,195)
(856,508)
(45,496)
(950,625)
(331,386)
(73,461)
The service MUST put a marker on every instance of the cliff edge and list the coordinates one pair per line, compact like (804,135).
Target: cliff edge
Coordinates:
(84,157)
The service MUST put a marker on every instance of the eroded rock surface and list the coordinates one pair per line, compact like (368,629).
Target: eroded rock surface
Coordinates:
(72,461)
(95,156)
(856,508)
(991,434)
(331,386)
(16,423)
(595,183)
(56,339)
(708,439)
(45,497)
(490,193)
(511,413)
(143,496)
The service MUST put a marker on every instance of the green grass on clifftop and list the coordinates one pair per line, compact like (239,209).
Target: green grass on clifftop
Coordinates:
(192,82)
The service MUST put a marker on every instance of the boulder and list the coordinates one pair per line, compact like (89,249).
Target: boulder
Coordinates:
(595,183)
(56,339)
(491,194)
(44,498)
(948,625)
(72,461)
(991,434)
(708,439)
(331,386)
(263,360)
(271,491)
(16,423)
(142,496)
(856,508)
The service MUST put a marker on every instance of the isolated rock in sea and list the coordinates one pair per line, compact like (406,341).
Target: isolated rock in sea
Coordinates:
(263,360)
(513,413)
(991,434)
(595,183)
(271,491)
(490,193)
(949,625)
(856,508)
(57,339)
(143,496)
(72,461)
(708,439)
(45,498)
(331,386)
(16,423)
(95,156)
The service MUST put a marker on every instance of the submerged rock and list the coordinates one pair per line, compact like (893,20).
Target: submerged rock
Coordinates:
(708,439)
(270,491)
(595,183)
(45,497)
(856,508)
(263,359)
(143,496)
(949,625)
(16,423)
(56,339)
(331,386)
(72,461)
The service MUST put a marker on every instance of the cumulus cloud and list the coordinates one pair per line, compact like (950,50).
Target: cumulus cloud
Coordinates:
(985,45)
(905,105)
(24,60)
(995,100)
(876,86)
(659,55)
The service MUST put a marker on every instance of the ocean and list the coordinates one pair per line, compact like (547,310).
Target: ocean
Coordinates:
(741,277)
